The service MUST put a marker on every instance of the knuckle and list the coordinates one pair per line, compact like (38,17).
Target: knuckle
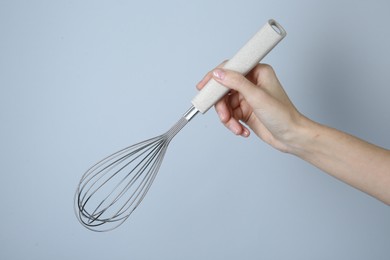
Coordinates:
(266,69)
(240,80)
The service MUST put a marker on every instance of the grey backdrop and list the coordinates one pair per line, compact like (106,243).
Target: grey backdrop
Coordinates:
(82,79)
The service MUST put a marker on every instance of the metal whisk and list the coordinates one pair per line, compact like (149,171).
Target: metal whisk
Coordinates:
(121,180)
(114,187)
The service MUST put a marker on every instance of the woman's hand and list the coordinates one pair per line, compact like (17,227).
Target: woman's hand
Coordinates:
(259,101)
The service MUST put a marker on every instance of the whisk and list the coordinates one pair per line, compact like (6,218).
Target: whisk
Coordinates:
(112,189)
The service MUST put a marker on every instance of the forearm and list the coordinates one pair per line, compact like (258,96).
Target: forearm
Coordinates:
(264,106)
(353,161)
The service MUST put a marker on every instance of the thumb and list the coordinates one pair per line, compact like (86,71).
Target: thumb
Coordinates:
(236,81)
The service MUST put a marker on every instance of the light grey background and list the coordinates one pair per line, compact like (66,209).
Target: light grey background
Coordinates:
(82,79)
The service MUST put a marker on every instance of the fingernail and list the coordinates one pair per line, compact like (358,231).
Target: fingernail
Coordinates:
(245,133)
(218,73)
(221,116)
(234,129)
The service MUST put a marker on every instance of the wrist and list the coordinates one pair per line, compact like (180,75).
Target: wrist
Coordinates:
(302,136)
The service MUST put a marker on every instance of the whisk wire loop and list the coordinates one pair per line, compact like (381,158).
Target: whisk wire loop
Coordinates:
(112,189)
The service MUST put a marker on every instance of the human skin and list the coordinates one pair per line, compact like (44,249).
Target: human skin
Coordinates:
(259,103)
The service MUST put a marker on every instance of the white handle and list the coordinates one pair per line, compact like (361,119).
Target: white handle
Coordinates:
(244,60)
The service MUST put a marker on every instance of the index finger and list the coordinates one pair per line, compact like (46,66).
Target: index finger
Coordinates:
(208,76)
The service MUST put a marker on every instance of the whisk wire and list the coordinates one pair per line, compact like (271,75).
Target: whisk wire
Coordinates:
(133,179)
(96,215)
(140,187)
(121,180)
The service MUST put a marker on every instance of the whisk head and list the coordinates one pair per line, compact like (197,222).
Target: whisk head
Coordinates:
(114,187)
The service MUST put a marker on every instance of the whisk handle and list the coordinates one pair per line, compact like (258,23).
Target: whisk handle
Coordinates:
(244,60)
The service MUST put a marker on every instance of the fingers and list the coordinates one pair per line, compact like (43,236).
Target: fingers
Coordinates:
(237,107)
(207,77)
(223,110)
(231,115)
(228,108)
(204,81)
(236,81)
